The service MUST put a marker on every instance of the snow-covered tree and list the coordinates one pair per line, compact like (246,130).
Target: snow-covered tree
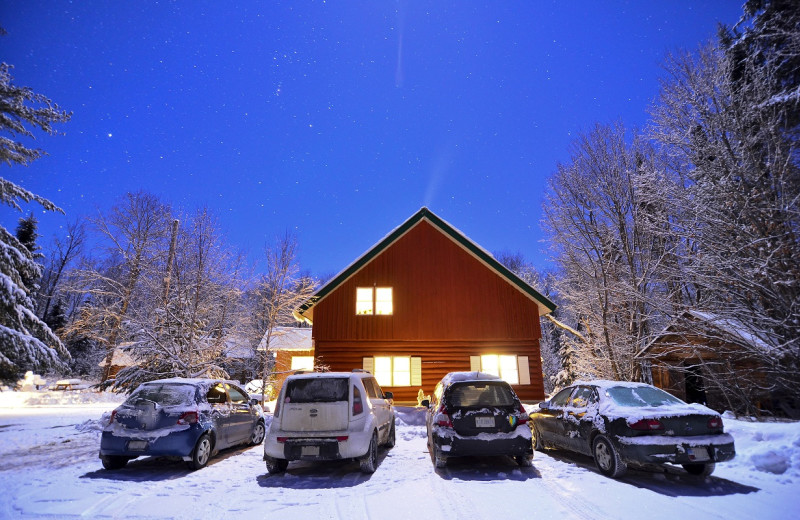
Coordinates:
(607,258)
(26,343)
(194,315)
(278,293)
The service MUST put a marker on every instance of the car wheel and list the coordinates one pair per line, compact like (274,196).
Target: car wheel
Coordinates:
(538,445)
(437,457)
(276,465)
(113,461)
(390,441)
(607,458)
(258,434)
(524,461)
(369,462)
(701,469)
(201,452)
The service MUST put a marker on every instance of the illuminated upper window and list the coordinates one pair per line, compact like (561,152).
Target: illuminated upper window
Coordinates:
(383,300)
(374,300)
(364,302)
(503,366)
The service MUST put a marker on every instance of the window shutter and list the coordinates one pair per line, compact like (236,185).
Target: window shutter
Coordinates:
(524,370)
(368,364)
(416,371)
(475,363)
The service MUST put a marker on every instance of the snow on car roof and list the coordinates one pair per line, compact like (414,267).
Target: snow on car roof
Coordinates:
(314,375)
(457,377)
(606,383)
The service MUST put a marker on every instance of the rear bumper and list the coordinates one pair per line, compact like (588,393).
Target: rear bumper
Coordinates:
(677,450)
(517,443)
(177,444)
(319,446)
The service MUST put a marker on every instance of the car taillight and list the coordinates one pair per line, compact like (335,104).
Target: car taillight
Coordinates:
(715,423)
(342,438)
(442,419)
(113,416)
(358,407)
(281,439)
(647,425)
(523,415)
(188,418)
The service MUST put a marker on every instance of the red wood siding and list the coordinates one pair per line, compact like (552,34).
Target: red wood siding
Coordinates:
(448,306)
(440,292)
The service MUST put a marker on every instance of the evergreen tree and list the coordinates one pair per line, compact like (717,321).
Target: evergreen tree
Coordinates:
(27,235)
(26,342)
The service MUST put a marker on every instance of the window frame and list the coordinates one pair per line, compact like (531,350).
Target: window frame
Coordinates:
(362,310)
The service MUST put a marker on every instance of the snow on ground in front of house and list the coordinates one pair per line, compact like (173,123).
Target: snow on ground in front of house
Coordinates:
(50,469)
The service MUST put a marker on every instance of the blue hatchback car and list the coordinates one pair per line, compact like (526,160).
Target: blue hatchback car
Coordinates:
(188,418)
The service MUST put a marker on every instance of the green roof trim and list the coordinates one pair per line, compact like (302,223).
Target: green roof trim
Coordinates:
(426,214)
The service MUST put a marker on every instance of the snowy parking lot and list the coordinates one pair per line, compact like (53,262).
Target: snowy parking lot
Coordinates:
(50,469)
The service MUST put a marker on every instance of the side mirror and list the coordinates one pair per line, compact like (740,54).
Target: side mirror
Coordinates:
(388,395)
(425,403)
(544,405)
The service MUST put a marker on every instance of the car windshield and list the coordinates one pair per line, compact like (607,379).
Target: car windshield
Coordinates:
(167,394)
(640,396)
(316,390)
(480,394)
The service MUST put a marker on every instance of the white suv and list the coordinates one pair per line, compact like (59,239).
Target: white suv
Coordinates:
(328,416)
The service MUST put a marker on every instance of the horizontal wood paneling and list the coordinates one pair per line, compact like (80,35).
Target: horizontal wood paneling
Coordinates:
(438,358)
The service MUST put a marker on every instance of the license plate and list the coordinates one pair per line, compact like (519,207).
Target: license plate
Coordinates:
(484,422)
(698,454)
(309,451)
(137,445)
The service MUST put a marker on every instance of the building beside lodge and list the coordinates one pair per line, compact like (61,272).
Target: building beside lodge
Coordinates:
(703,358)
(426,300)
(292,350)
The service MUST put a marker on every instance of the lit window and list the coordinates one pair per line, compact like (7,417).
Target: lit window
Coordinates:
(383,300)
(302,362)
(503,366)
(364,300)
(393,371)
(374,300)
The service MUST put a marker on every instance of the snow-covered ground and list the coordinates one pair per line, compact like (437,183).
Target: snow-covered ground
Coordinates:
(49,469)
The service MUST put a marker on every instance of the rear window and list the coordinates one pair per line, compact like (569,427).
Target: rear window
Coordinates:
(163,394)
(316,390)
(641,396)
(480,394)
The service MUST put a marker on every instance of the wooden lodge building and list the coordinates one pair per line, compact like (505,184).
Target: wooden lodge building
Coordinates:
(425,301)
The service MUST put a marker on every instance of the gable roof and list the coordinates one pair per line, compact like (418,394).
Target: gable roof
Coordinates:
(288,338)
(728,329)
(305,311)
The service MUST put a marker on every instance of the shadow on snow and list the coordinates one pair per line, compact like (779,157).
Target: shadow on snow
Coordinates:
(486,469)
(664,479)
(154,469)
(327,474)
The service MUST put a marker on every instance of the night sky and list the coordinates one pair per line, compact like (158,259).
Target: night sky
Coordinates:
(335,120)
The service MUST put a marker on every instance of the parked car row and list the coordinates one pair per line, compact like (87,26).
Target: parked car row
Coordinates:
(346,415)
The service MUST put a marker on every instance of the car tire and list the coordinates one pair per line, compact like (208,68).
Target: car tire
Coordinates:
(113,461)
(201,452)
(536,440)
(701,469)
(258,434)
(607,458)
(369,462)
(391,439)
(439,460)
(524,461)
(276,465)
